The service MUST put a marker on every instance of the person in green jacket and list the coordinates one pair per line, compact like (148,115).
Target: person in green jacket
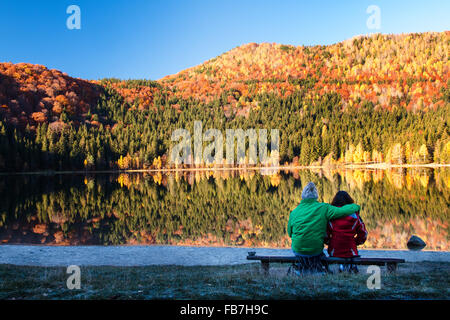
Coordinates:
(307,226)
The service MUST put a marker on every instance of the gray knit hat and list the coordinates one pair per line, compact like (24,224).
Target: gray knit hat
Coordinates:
(310,191)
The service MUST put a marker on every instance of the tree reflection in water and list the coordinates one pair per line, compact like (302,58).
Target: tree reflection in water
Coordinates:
(216,208)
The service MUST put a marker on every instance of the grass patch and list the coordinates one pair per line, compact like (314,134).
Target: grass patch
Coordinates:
(424,280)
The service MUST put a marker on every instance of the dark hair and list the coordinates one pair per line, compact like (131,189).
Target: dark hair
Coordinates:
(341,199)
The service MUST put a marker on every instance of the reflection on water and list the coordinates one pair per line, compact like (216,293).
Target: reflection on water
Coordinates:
(217,208)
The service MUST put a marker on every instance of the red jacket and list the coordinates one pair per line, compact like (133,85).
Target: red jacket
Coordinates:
(344,234)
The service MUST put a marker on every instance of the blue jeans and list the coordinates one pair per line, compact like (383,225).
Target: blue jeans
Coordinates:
(310,263)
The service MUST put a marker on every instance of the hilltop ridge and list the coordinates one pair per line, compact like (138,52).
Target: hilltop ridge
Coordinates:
(407,70)
(378,68)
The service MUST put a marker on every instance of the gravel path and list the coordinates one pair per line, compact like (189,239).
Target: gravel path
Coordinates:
(167,255)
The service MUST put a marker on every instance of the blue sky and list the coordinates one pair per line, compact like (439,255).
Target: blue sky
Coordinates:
(150,39)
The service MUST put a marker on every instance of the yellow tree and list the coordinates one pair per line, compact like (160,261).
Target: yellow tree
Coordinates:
(157,163)
(423,153)
(445,157)
(408,152)
(349,153)
(398,155)
(358,155)
(377,156)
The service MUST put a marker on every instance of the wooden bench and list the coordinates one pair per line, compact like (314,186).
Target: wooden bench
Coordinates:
(391,264)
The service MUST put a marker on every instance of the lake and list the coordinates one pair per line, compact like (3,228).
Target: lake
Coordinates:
(216,208)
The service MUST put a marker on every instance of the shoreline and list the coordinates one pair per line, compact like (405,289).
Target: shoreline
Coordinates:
(38,255)
(377,166)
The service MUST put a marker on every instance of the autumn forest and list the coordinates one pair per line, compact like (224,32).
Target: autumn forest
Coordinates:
(369,99)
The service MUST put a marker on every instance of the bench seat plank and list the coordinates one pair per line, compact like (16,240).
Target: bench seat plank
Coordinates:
(329,260)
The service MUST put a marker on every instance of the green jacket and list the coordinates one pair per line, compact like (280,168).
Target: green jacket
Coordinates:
(308,223)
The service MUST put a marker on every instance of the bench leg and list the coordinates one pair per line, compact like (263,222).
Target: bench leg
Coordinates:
(289,271)
(391,267)
(265,266)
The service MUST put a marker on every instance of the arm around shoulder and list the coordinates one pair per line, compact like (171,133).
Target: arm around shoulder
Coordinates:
(339,212)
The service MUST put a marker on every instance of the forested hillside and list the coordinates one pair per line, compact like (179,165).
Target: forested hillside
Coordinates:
(388,70)
(382,98)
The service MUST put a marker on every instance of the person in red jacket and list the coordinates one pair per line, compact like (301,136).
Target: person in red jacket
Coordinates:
(345,234)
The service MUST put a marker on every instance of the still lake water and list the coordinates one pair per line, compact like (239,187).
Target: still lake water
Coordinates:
(219,208)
